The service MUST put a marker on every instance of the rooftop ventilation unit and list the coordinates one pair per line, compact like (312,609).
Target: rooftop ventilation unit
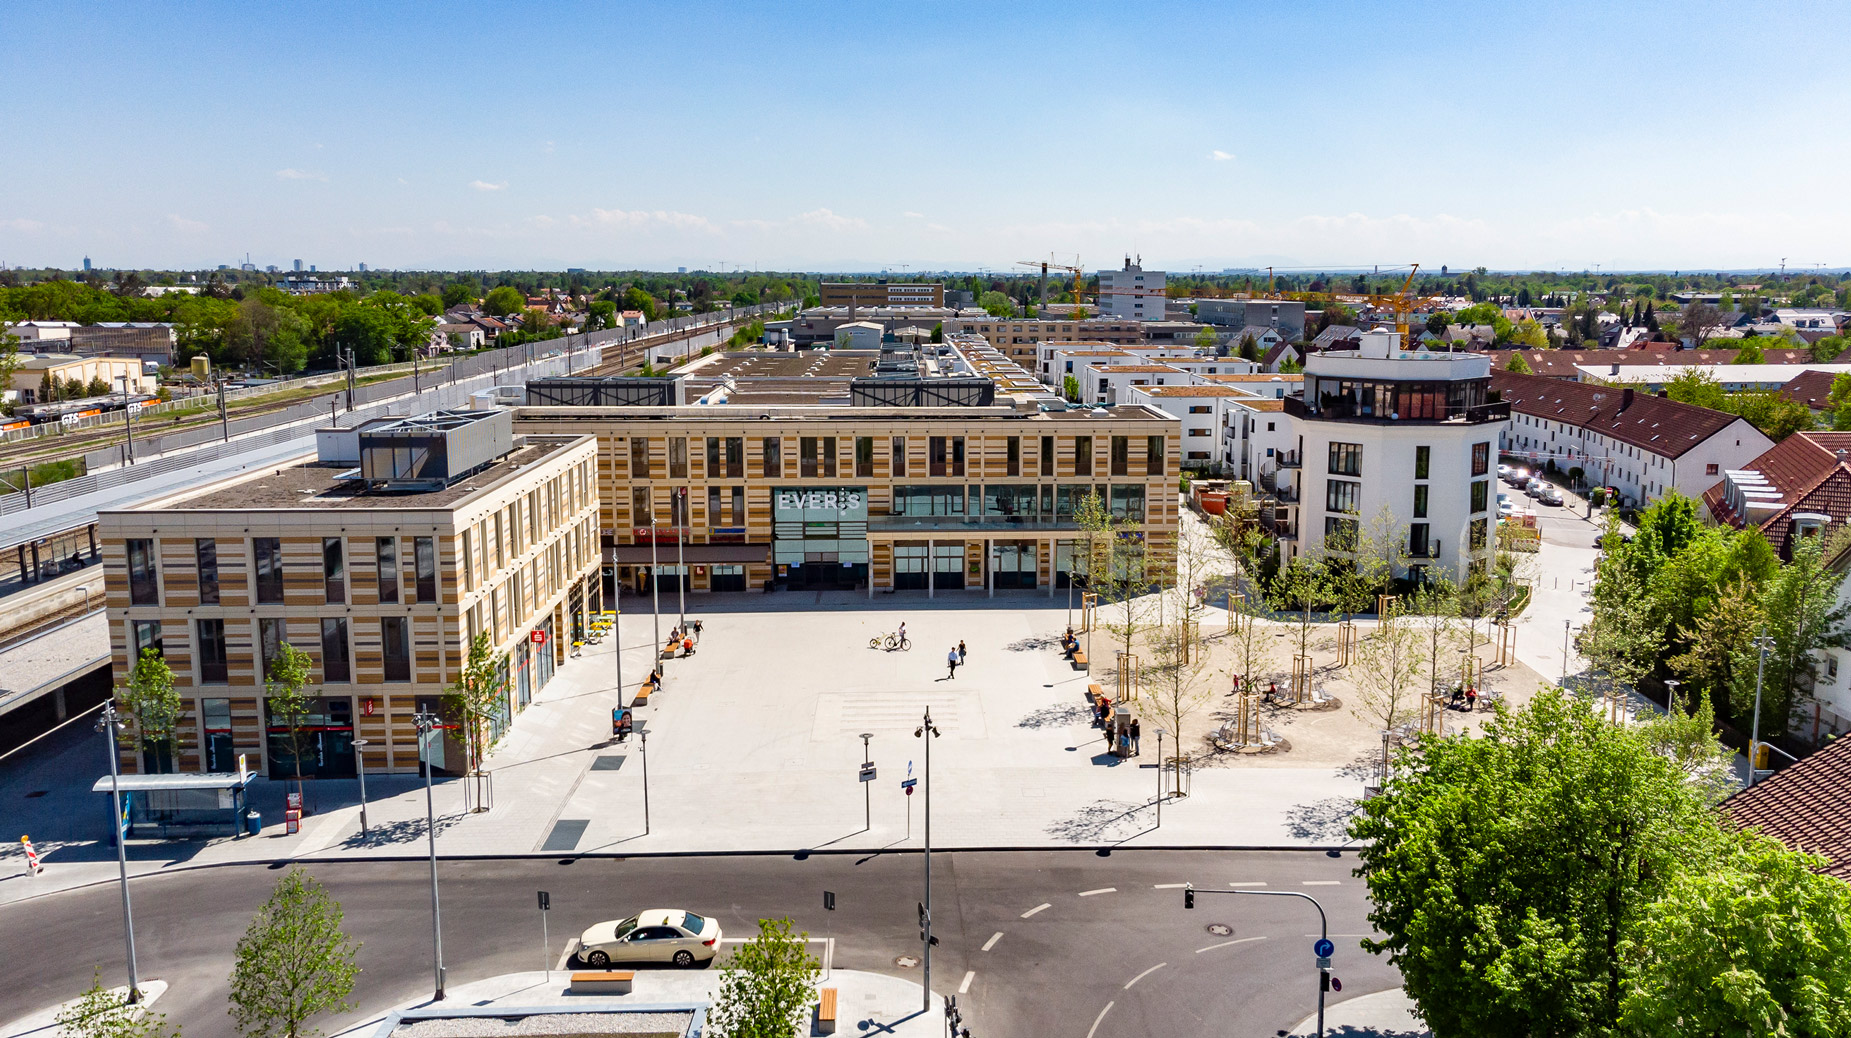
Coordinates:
(431,451)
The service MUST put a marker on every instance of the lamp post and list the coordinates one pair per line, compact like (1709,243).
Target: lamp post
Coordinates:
(867,794)
(1323,961)
(1566,626)
(108,725)
(1671,685)
(1160,734)
(128,420)
(643,733)
(926,727)
(1761,643)
(617,635)
(427,727)
(359,746)
(681,558)
(655,587)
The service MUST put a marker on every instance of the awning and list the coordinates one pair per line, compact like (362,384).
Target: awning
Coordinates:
(191,780)
(694,554)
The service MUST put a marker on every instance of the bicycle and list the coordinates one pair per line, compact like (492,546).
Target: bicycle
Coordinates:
(890,642)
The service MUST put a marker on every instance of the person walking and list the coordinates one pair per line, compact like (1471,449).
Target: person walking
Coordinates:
(960,650)
(1135,735)
(951,660)
(1106,730)
(697,630)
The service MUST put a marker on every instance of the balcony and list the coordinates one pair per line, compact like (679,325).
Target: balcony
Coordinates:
(1429,550)
(1479,414)
(960,524)
(1288,459)
(1280,528)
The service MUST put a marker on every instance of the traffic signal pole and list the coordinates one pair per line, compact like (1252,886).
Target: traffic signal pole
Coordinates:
(1323,960)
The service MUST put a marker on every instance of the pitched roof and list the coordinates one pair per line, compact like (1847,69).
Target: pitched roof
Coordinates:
(1810,388)
(1336,333)
(1806,805)
(1651,423)
(1806,470)
(1272,356)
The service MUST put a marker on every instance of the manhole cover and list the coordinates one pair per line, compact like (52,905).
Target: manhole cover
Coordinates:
(906,962)
(1220,929)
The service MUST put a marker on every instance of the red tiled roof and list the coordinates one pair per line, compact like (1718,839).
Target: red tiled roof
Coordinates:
(1810,388)
(1806,806)
(1651,423)
(1805,469)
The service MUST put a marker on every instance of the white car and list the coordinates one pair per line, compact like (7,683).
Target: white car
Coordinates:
(1505,508)
(1551,496)
(1535,487)
(1503,471)
(658,935)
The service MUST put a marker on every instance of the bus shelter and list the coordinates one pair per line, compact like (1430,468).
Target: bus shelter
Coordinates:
(178,806)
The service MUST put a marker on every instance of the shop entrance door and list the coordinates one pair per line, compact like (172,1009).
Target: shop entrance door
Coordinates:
(948,566)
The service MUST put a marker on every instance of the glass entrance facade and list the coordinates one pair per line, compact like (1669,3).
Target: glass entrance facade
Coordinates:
(325,736)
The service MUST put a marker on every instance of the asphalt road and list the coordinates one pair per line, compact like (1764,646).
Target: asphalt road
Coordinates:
(1062,943)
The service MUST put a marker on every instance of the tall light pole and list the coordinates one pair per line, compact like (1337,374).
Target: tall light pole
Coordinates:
(643,734)
(359,749)
(925,728)
(128,420)
(427,727)
(655,586)
(1762,643)
(1566,625)
(617,633)
(1323,960)
(867,794)
(108,725)
(1160,735)
(681,558)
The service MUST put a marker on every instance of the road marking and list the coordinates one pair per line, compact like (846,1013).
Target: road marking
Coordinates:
(1101,890)
(1099,1019)
(566,956)
(1144,974)
(1323,882)
(1168,886)
(964,988)
(1340,935)
(1224,944)
(991,943)
(1037,908)
(1250,883)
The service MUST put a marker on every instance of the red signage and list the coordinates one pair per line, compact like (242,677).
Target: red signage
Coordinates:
(537,637)
(366,708)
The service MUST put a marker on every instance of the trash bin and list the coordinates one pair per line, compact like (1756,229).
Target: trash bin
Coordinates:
(253,822)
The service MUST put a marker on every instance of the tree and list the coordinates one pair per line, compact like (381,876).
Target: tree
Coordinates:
(1205,338)
(1300,587)
(1529,333)
(286,680)
(600,315)
(1696,386)
(1803,615)
(1750,353)
(10,363)
(1507,871)
(101,1013)
(1250,348)
(997,304)
(1698,322)
(457,294)
(1117,568)
(478,696)
(1435,607)
(635,298)
(1290,365)
(938,332)
(766,987)
(1517,364)
(1387,673)
(1251,549)
(293,962)
(151,698)
(503,300)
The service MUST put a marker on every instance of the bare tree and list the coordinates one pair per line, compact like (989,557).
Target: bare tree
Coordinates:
(1117,569)
(1177,668)
(1699,322)
(1387,673)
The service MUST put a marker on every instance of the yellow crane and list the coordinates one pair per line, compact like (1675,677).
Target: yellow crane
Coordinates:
(1401,302)
(1078,272)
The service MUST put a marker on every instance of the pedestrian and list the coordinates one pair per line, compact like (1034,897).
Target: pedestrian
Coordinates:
(951,659)
(1471,698)
(1108,737)
(960,650)
(1136,734)
(687,646)
(697,630)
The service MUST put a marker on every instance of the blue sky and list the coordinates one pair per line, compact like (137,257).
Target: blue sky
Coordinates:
(873,134)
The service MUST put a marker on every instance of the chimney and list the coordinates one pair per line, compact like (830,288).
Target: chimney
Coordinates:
(1626,398)
(1841,455)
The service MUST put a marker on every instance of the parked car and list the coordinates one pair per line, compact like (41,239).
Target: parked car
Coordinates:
(1535,487)
(1518,477)
(1551,496)
(1505,508)
(1503,471)
(658,935)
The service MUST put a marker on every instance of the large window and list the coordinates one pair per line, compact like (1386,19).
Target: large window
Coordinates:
(809,464)
(334,649)
(774,457)
(1128,501)
(1067,499)
(1420,500)
(146,635)
(215,725)
(1481,494)
(385,553)
(425,551)
(1121,455)
(1013,502)
(144,588)
(1082,455)
(726,457)
(206,557)
(899,457)
(864,456)
(946,456)
(1346,459)
(333,570)
(1153,455)
(1423,461)
(269,555)
(928,500)
(639,457)
(1478,533)
(678,457)
(1481,458)
(639,507)
(211,651)
(395,646)
(1047,455)
(270,638)
(1012,460)
(1340,533)
(1341,495)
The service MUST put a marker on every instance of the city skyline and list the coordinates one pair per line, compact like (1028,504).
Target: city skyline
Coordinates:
(824,137)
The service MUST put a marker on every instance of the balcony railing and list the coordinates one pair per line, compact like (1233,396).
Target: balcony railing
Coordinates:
(1288,459)
(1479,414)
(967,523)
(1430,550)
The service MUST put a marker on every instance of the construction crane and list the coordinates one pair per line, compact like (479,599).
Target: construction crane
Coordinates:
(1078,272)
(1401,302)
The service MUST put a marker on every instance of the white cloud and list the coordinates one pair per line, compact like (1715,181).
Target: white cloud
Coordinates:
(829,219)
(23,225)
(483,185)
(186,226)
(299,174)
(1220,156)
(639,218)
(910,215)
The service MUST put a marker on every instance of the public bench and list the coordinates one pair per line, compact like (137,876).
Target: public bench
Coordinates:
(826,1012)
(602,982)
(1079,659)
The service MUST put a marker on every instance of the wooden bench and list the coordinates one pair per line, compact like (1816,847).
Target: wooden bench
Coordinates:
(826,1012)
(1095,694)
(602,982)
(1079,659)
(669,652)
(642,695)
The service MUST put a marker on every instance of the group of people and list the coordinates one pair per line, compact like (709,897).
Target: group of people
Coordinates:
(685,637)
(954,659)
(1122,737)
(1468,694)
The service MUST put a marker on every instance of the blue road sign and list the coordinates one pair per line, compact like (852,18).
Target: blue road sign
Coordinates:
(908,783)
(1323,948)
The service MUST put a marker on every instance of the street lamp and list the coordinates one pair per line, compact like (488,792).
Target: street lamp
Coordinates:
(1762,643)
(925,914)
(128,421)
(1671,685)
(643,733)
(1160,734)
(1566,625)
(681,558)
(1323,961)
(359,746)
(617,636)
(108,725)
(427,727)
(867,794)
(655,587)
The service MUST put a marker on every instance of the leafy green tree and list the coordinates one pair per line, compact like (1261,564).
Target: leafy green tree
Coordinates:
(150,697)
(286,682)
(767,986)
(457,294)
(367,331)
(1750,353)
(1529,334)
(1696,386)
(293,963)
(600,315)
(1117,569)
(101,1013)
(503,300)
(635,298)
(1205,338)
(1720,646)
(479,694)
(97,387)
(1517,364)
(1508,871)
(1828,349)
(1777,417)
(1070,388)
(1290,365)
(1803,615)
(1250,348)
(1619,641)
(997,304)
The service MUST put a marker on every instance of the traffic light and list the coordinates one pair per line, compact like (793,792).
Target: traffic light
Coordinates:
(1188,897)
(925,921)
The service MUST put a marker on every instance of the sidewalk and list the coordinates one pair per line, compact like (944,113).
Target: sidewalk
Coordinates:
(1383,1014)
(750,749)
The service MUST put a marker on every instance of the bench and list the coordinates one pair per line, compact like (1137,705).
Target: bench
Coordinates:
(1094,694)
(1079,659)
(669,652)
(642,696)
(826,1012)
(603,982)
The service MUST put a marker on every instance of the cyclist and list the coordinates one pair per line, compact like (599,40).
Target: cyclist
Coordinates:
(901,636)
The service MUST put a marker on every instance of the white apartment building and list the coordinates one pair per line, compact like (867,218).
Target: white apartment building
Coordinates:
(1639,444)
(1383,432)
(1255,433)
(1108,384)
(1132,293)
(1273,386)
(1198,407)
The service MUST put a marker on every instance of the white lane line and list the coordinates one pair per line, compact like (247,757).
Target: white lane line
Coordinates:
(1097,1020)
(1037,908)
(964,988)
(566,956)
(1249,883)
(1168,886)
(991,943)
(1323,883)
(1224,944)
(1144,974)
(1101,890)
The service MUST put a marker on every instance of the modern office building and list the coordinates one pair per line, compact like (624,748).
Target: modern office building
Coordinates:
(882,293)
(1133,293)
(381,558)
(943,468)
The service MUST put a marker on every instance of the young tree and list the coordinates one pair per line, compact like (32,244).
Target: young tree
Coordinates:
(480,692)
(1117,569)
(1250,547)
(286,682)
(1802,614)
(1176,670)
(1719,662)
(1517,364)
(1387,673)
(293,962)
(1205,338)
(1070,389)
(1300,587)
(1434,607)
(150,697)
(1250,348)
(1620,642)
(766,987)
(101,1013)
